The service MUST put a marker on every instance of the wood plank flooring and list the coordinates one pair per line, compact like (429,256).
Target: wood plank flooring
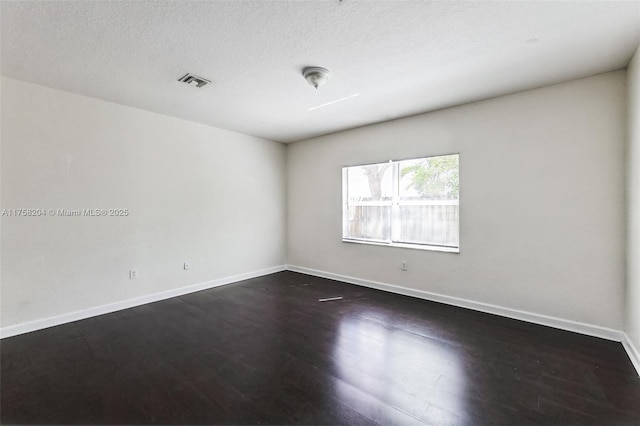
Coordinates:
(265,351)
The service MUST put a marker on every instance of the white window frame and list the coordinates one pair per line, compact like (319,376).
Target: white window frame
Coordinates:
(395,204)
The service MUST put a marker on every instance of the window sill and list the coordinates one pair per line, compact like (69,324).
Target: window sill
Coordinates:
(404,245)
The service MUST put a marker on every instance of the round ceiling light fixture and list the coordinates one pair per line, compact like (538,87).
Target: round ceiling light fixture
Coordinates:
(316,76)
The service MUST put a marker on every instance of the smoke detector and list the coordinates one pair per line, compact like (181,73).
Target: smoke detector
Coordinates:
(194,80)
(316,76)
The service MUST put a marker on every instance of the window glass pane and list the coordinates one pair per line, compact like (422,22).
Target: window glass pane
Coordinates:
(405,202)
(428,201)
(369,223)
(430,224)
(434,178)
(370,183)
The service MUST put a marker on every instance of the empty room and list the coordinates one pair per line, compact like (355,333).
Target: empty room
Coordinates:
(337,212)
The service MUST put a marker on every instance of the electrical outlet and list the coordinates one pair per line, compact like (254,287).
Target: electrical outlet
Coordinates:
(133,274)
(187,265)
(403,265)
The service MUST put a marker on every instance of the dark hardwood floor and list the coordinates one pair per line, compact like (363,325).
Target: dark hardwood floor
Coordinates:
(266,351)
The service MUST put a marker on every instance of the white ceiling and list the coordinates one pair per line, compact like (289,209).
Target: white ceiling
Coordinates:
(399,57)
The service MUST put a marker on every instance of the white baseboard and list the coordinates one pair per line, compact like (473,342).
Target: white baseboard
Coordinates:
(632,351)
(26,327)
(563,324)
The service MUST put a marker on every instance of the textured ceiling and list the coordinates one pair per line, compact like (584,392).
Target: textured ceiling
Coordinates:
(388,58)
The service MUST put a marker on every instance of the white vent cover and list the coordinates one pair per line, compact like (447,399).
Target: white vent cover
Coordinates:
(194,80)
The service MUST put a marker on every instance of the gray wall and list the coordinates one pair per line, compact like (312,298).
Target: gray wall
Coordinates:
(194,193)
(633,215)
(541,201)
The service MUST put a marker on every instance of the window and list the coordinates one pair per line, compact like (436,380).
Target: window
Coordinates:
(410,203)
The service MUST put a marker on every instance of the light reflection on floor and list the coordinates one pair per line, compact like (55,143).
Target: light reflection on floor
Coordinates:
(382,366)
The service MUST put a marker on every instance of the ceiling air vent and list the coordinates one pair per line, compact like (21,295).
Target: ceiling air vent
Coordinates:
(194,80)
